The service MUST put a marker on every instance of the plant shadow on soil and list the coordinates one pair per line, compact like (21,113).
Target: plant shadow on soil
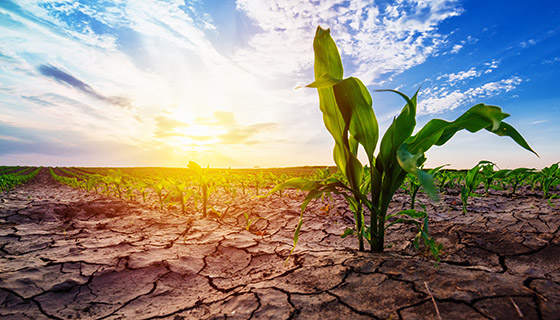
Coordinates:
(67,254)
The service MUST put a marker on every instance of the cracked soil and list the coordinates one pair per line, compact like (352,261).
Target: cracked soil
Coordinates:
(67,254)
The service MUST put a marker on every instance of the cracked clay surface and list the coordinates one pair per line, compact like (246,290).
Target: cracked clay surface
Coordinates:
(66,254)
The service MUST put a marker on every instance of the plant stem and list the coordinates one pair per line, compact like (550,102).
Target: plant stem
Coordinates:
(359,226)
(413,197)
(204,199)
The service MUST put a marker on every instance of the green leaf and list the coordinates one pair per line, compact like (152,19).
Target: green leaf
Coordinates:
(398,132)
(327,58)
(348,232)
(194,166)
(328,67)
(325,81)
(480,116)
(410,213)
(294,183)
(355,104)
(506,129)
(409,162)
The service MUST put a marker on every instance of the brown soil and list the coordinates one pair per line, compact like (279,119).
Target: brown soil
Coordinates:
(66,254)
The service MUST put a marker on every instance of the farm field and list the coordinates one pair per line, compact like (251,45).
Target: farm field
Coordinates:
(150,243)
(401,160)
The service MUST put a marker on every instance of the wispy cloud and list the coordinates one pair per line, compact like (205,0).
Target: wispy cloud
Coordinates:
(68,79)
(551,61)
(528,43)
(379,39)
(220,129)
(14,139)
(166,127)
(56,100)
(247,135)
(457,47)
(436,100)
(453,78)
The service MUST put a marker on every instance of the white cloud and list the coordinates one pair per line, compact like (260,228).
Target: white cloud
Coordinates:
(551,61)
(377,40)
(461,76)
(528,43)
(440,99)
(10,138)
(456,48)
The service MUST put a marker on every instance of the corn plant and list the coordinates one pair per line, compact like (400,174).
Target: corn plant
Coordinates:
(91,182)
(548,178)
(277,180)
(205,183)
(348,115)
(517,176)
(489,175)
(141,186)
(182,192)
(471,181)
(412,185)
(447,179)
(249,221)
(258,182)
(162,190)
(242,183)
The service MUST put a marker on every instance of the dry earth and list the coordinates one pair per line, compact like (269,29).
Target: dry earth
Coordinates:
(66,254)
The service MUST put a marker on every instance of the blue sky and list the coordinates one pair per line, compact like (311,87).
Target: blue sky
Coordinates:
(160,83)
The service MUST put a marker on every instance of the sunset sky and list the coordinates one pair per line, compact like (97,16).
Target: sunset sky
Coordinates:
(161,83)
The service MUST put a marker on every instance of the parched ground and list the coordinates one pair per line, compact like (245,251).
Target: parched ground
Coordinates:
(66,254)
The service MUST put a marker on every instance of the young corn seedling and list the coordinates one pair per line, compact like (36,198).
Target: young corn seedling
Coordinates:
(412,185)
(488,175)
(517,176)
(471,182)
(205,183)
(549,177)
(92,181)
(502,183)
(116,178)
(249,221)
(446,179)
(420,220)
(258,182)
(348,115)
(141,186)
(182,192)
(162,189)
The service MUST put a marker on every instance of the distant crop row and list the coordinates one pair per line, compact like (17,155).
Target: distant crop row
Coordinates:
(210,192)
(203,189)
(484,176)
(10,177)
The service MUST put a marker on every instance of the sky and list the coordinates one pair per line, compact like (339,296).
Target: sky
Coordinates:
(165,82)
